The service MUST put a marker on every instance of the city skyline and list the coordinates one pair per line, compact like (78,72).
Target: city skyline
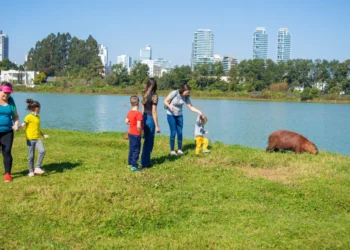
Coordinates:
(231,23)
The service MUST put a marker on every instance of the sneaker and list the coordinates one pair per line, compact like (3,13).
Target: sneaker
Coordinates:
(173,153)
(7,177)
(206,151)
(179,152)
(134,169)
(31,174)
(38,171)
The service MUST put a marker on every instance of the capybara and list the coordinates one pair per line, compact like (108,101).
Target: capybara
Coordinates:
(288,140)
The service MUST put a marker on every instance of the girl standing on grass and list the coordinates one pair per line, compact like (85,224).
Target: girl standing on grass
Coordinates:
(150,119)
(33,134)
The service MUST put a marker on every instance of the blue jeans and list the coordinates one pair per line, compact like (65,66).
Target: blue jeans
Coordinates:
(134,149)
(149,132)
(175,125)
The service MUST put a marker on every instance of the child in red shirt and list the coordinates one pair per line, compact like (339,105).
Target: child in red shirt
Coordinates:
(134,120)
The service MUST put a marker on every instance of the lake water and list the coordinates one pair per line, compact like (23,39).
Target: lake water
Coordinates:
(247,123)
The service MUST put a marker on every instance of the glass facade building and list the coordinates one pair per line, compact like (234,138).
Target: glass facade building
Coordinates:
(260,43)
(4,46)
(146,53)
(202,46)
(284,44)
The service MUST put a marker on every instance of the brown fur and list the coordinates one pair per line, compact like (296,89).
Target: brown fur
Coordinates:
(288,140)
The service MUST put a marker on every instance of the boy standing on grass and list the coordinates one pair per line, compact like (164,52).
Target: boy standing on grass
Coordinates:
(199,133)
(134,120)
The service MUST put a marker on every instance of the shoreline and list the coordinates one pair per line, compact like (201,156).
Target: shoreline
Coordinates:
(195,94)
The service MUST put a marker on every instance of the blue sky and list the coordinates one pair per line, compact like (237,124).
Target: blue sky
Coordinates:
(319,29)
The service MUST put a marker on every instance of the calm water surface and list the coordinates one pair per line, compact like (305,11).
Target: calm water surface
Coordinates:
(247,123)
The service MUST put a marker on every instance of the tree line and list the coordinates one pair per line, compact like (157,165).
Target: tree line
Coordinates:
(64,55)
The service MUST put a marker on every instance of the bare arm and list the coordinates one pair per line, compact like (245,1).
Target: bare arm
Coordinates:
(166,103)
(155,118)
(139,126)
(44,135)
(193,109)
(16,122)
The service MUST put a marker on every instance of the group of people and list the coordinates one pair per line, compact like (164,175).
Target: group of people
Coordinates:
(146,124)
(9,122)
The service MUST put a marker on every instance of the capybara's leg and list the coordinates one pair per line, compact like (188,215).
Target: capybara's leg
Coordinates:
(297,150)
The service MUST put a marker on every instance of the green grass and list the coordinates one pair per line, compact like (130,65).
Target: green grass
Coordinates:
(233,197)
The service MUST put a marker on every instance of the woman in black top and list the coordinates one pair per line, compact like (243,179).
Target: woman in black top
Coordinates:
(150,119)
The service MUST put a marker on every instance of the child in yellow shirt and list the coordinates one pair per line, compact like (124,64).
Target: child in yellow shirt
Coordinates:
(33,134)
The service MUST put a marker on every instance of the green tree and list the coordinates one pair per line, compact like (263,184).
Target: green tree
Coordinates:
(139,73)
(122,75)
(6,64)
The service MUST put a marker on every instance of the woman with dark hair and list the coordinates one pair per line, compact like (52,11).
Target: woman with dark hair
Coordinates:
(9,120)
(173,103)
(150,119)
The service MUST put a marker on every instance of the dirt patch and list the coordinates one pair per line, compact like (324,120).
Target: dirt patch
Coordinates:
(283,175)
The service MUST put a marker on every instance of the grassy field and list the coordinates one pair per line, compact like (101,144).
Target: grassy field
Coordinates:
(232,198)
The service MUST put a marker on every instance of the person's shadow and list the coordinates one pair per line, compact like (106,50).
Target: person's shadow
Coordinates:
(60,167)
(52,168)
(171,158)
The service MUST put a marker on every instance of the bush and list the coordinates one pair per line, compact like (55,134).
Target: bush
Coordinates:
(39,78)
(279,87)
(309,94)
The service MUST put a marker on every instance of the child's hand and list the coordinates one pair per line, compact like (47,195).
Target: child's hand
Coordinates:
(206,132)
(46,136)
(15,127)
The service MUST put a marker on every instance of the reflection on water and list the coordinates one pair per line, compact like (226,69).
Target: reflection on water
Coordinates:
(247,123)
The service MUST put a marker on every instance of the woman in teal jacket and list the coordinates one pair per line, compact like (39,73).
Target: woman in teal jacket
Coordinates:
(9,120)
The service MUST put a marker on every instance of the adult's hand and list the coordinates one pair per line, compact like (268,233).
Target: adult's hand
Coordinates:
(158,130)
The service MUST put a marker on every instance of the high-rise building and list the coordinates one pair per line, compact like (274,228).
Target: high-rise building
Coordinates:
(103,54)
(146,53)
(125,60)
(284,44)
(4,46)
(150,64)
(228,62)
(260,43)
(202,47)
(163,64)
